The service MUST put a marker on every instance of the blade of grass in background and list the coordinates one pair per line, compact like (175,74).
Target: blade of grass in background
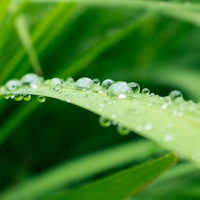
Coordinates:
(24,36)
(122,184)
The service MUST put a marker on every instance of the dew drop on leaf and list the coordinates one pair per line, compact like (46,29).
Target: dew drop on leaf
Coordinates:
(104,122)
(18,97)
(107,83)
(168,137)
(26,97)
(175,94)
(84,84)
(135,87)
(6,96)
(41,99)
(55,84)
(119,88)
(13,84)
(96,82)
(122,130)
(145,91)
(32,80)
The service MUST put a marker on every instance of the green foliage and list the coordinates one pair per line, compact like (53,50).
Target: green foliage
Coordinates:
(154,43)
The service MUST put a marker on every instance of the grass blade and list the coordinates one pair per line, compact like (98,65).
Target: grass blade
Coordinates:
(122,184)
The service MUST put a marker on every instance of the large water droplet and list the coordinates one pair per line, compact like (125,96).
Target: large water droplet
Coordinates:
(32,80)
(84,84)
(107,83)
(176,95)
(13,84)
(104,122)
(55,84)
(119,88)
(41,99)
(26,97)
(122,130)
(135,87)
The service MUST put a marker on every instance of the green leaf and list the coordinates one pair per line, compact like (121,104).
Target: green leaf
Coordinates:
(151,117)
(122,184)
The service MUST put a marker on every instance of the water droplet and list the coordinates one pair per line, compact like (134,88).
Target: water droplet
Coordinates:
(152,95)
(122,130)
(6,96)
(148,126)
(145,91)
(114,116)
(32,80)
(69,80)
(164,106)
(196,154)
(107,83)
(84,84)
(47,82)
(176,95)
(13,84)
(41,99)
(96,89)
(168,137)
(119,88)
(122,96)
(55,84)
(139,127)
(104,122)
(135,87)
(96,82)
(18,97)
(26,97)
(11,96)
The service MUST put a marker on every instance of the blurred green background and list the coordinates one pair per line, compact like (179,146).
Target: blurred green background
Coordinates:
(158,48)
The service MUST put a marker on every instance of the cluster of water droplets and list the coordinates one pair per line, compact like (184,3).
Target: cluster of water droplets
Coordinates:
(174,104)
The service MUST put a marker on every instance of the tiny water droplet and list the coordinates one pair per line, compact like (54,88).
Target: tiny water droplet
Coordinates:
(175,95)
(41,99)
(122,130)
(122,96)
(164,106)
(135,87)
(6,96)
(107,83)
(69,80)
(148,126)
(26,97)
(96,82)
(168,137)
(145,91)
(84,84)
(152,95)
(104,122)
(18,97)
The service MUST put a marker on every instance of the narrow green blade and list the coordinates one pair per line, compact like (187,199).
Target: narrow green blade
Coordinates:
(122,184)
